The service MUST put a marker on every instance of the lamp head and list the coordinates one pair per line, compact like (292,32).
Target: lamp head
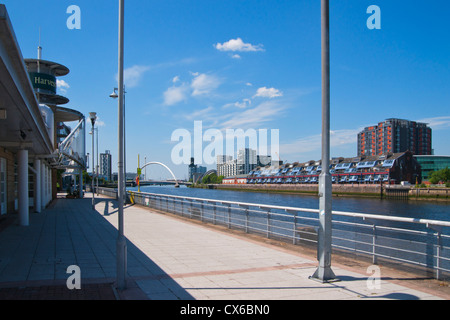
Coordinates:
(93,117)
(114,95)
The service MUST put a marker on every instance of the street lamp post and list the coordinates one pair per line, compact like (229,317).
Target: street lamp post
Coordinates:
(324,272)
(93,117)
(97,167)
(114,95)
(121,241)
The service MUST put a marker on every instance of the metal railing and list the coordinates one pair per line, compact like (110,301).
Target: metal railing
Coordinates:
(411,241)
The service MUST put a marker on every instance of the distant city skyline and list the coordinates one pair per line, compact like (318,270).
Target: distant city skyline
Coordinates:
(239,65)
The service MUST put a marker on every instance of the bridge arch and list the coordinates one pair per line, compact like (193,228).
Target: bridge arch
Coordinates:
(207,174)
(163,165)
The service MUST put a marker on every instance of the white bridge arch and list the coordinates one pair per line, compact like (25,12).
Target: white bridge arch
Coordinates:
(163,165)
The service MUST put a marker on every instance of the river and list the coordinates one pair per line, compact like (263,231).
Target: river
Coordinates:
(432,210)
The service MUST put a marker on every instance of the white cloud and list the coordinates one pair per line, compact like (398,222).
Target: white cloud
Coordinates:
(62,85)
(252,118)
(200,114)
(238,45)
(268,93)
(173,95)
(99,122)
(133,75)
(176,79)
(437,123)
(338,138)
(204,84)
(236,56)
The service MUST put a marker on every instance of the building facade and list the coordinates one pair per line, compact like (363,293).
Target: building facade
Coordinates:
(245,162)
(222,160)
(195,170)
(30,153)
(395,135)
(432,163)
(106,165)
(390,168)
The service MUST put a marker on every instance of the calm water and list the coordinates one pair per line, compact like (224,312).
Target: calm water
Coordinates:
(412,209)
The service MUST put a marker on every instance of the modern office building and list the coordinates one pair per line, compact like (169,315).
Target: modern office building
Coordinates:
(29,113)
(245,162)
(221,163)
(194,169)
(106,165)
(395,135)
(432,163)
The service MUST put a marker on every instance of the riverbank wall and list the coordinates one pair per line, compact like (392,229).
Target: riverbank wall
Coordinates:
(349,190)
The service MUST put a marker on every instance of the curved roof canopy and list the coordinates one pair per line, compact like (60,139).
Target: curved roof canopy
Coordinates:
(58,69)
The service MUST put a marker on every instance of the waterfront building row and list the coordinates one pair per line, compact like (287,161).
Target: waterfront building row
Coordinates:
(388,168)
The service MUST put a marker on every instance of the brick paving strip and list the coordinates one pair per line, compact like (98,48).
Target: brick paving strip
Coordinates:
(101,291)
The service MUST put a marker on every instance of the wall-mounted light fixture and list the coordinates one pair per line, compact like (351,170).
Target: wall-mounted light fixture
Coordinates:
(3,114)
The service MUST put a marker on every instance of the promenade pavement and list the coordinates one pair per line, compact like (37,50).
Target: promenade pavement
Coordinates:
(168,258)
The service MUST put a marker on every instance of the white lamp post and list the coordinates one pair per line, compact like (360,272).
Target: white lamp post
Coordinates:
(93,117)
(121,245)
(324,272)
(114,95)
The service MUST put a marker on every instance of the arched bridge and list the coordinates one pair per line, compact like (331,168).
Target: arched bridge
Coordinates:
(163,165)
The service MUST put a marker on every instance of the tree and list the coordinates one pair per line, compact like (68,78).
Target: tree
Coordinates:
(440,176)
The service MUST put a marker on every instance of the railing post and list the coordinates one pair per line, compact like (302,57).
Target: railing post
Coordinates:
(268,225)
(438,256)
(374,245)
(214,213)
(182,207)
(201,212)
(229,216)
(294,233)
(246,220)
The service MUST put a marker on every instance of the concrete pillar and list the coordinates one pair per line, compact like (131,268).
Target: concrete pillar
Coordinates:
(42,186)
(37,186)
(80,184)
(50,185)
(22,187)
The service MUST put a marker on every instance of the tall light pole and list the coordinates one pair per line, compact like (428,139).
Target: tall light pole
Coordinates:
(121,242)
(96,166)
(114,95)
(324,272)
(93,117)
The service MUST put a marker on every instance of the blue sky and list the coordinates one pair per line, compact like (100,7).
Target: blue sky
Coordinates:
(246,64)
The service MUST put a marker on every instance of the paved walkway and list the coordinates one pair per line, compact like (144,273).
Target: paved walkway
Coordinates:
(168,259)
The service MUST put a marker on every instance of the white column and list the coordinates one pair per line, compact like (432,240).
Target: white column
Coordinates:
(43,175)
(80,184)
(37,186)
(47,200)
(22,177)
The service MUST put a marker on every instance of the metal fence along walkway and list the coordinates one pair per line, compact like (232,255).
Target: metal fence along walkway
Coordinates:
(418,242)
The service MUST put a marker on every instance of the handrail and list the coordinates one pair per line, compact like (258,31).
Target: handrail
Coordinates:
(297,209)
(427,248)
